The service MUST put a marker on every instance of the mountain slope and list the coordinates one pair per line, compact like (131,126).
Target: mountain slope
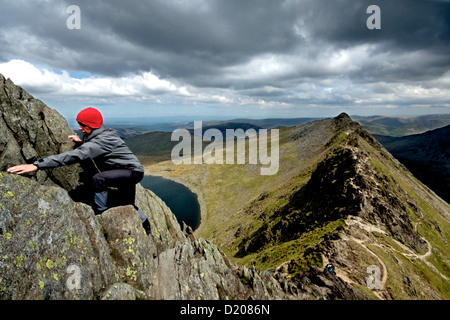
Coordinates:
(152,146)
(339,197)
(426,155)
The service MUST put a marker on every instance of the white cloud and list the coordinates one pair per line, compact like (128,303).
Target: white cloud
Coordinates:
(289,97)
(25,74)
(61,84)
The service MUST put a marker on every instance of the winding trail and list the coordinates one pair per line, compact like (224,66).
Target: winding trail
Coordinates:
(405,251)
(384,272)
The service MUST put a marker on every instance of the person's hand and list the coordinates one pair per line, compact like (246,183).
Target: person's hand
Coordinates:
(23,168)
(75,138)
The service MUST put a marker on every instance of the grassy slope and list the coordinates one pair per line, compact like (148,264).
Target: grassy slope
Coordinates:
(431,219)
(237,202)
(227,189)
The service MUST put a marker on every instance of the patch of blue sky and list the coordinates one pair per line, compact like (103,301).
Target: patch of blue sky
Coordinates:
(80,75)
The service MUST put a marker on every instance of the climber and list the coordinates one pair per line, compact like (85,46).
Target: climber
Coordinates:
(330,268)
(120,167)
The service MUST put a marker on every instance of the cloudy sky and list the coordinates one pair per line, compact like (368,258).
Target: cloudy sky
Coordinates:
(230,58)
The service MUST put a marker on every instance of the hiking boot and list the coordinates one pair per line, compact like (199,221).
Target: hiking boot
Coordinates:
(101,202)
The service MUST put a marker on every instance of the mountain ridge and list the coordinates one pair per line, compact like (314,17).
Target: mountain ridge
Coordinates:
(339,197)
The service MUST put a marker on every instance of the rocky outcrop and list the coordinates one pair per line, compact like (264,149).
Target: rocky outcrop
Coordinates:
(30,130)
(44,238)
(54,248)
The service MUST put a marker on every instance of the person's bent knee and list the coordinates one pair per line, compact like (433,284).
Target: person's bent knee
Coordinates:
(98,182)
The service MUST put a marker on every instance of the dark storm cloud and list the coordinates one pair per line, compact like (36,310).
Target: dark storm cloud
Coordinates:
(264,48)
(407,24)
(196,38)
(193,38)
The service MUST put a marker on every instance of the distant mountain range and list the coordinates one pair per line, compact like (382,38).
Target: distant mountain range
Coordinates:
(402,126)
(131,129)
(382,125)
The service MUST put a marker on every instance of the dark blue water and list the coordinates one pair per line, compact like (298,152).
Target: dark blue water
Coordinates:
(182,201)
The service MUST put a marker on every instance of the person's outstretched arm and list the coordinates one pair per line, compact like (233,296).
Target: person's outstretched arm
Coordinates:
(22,168)
(88,150)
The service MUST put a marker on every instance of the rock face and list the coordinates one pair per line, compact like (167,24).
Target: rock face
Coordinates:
(52,247)
(30,130)
(47,240)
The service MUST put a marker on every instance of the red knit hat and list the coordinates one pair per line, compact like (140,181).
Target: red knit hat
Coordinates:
(90,117)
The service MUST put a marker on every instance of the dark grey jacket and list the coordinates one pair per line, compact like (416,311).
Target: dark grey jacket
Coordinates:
(104,145)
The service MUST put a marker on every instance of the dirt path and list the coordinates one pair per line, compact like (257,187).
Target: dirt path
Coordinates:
(405,251)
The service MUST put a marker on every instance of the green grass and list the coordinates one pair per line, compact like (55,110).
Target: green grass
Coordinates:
(432,226)
(411,278)
(273,255)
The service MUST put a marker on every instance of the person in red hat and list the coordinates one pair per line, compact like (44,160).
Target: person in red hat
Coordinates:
(118,167)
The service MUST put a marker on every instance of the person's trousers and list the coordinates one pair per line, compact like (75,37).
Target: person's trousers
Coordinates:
(114,188)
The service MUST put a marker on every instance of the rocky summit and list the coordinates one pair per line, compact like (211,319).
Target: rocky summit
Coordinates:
(53,246)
